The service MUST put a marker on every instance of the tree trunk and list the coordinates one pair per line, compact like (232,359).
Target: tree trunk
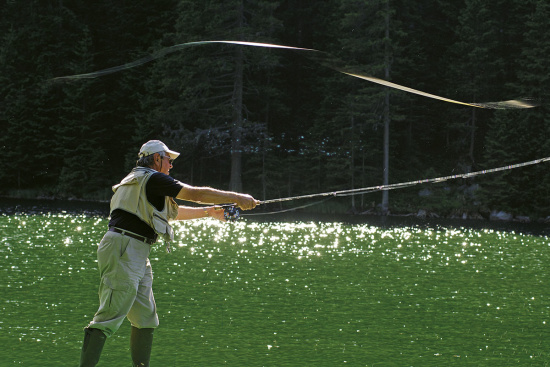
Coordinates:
(472,136)
(352,163)
(235,183)
(387,57)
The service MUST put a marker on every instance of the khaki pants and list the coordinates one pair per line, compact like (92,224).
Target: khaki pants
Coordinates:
(126,284)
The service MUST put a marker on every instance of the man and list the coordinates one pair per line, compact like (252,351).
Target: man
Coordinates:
(141,208)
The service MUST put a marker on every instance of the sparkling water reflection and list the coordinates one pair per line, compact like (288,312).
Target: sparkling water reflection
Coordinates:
(287,294)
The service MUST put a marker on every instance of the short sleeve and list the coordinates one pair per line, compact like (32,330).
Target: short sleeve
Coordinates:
(159,186)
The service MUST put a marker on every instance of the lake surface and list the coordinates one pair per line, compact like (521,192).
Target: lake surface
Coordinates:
(287,294)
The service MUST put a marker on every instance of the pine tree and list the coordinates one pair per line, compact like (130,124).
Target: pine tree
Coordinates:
(37,40)
(520,136)
(206,94)
(479,65)
(371,43)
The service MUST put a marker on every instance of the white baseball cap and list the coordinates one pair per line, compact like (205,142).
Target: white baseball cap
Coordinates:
(156,146)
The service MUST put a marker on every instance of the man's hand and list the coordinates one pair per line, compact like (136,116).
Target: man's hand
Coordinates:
(216,212)
(245,201)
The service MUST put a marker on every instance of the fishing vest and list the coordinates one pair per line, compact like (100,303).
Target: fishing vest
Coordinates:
(129,195)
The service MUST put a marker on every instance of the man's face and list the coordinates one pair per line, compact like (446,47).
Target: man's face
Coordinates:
(164,164)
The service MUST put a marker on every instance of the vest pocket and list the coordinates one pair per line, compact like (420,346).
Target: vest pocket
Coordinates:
(162,227)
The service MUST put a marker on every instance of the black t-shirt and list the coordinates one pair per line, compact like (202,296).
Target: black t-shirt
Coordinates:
(157,188)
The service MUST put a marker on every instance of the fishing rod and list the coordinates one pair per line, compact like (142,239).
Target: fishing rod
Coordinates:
(232,213)
(367,190)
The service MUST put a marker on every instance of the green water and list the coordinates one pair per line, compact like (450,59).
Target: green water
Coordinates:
(286,294)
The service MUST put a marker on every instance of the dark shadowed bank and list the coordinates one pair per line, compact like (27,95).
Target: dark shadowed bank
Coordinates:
(9,206)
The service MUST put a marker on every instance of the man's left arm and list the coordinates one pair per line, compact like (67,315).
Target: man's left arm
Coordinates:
(190,212)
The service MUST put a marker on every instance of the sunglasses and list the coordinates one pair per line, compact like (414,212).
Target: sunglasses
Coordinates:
(170,160)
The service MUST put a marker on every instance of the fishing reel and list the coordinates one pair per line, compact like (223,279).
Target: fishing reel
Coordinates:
(230,212)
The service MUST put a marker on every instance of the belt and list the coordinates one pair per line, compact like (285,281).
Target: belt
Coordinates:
(149,241)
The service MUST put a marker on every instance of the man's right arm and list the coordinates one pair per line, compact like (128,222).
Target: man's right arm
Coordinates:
(208,195)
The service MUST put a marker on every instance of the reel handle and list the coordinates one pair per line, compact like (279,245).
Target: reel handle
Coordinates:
(231,212)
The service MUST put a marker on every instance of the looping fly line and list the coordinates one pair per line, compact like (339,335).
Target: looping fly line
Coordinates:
(321,57)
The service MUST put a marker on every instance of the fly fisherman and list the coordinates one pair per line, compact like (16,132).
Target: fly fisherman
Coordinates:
(141,208)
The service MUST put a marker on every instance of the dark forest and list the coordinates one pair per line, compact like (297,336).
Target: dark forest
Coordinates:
(271,122)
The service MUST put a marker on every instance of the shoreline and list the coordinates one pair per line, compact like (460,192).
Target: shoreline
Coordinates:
(13,206)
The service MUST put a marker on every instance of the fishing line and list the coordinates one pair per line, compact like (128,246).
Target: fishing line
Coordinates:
(368,190)
(287,210)
(321,57)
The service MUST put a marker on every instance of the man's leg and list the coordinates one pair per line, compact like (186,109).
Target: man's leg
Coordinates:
(141,343)
(94,339)
(144,319)
(122,262)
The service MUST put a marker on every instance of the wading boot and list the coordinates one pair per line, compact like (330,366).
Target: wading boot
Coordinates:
(94,339)
(141,342)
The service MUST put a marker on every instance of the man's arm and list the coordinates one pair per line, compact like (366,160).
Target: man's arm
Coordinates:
(208,195)
(189,212)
